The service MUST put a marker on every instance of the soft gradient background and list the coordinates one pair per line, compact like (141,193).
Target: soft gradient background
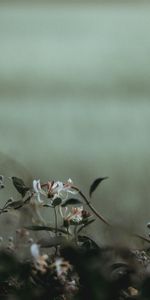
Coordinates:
(74,99)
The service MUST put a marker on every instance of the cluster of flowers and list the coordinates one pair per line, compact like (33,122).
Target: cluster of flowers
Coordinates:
(54,194)
(53,190)
(60,268)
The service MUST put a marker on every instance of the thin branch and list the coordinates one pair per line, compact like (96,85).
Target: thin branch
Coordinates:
(56,221)
(141,237)
(91,206)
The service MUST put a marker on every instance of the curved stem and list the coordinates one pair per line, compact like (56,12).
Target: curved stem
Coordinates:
(91,206)
(141,237)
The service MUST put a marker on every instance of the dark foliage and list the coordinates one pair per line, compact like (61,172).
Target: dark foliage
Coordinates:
(71,201)
(65,263)
(95,184)
(20,185)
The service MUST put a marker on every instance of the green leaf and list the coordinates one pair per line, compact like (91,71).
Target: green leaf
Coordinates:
(88,243)
(71,201)
(95,184)
(20,185)
(14,205)
(57,201)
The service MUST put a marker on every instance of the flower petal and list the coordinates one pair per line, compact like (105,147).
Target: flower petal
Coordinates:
(35,251)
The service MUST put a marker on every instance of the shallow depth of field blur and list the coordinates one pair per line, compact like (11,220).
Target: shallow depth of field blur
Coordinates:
(74,99)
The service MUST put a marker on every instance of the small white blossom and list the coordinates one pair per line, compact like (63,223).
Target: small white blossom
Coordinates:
(74,215)
(38,190)
(70,181)
(60,189)
(58,265)
(76,219)
(39,260)
(35,251)
(61,266)
(57,188)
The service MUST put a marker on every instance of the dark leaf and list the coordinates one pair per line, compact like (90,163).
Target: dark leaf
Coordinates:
(52,241)
(47,205)
(37,227)
(57,201)
(71,201)
(14,205)
(46,228)
(95,184)
(88,243)
(10,200)
(20,185)
(2,182)
(1,178)
(148,224)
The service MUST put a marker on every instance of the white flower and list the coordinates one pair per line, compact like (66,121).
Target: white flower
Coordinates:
(58,265)
(39,260)
(38,190)
(61,266)
(70,181)
(53,189)
(35,251)
(57,188)
(74,216)
(76,219)
(60,189)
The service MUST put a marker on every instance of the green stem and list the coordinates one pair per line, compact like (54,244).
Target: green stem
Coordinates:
(91,206)
(56,228)
(56,221)
(141,237)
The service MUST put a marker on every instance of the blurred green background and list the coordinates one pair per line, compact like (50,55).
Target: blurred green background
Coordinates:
(74,98)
